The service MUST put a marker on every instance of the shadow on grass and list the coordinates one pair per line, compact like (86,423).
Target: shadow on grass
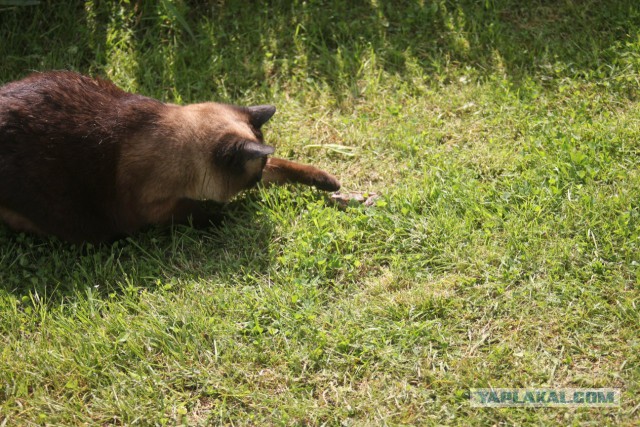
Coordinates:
(149,260)
(228,49)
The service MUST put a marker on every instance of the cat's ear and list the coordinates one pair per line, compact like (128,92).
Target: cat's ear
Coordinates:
(260,114)
(253,150)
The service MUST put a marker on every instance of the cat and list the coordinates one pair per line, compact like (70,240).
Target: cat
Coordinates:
(83,160)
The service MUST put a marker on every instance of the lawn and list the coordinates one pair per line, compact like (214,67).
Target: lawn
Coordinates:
(504,250)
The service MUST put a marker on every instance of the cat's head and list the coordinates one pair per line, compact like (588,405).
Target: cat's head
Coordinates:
(227,148)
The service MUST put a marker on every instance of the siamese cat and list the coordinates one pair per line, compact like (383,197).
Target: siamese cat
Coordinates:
(85,161)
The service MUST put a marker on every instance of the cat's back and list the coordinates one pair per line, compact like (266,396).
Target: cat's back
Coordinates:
(70,118)
(57,99)
(58,86)
(61,135)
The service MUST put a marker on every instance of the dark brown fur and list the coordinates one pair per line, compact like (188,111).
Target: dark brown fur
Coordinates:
(84,160)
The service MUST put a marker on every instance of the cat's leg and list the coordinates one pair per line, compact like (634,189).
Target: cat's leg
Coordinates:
(78,229)
(280,171)
(194,212)
(18,222)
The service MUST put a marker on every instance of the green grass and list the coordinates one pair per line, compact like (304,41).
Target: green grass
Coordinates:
(504,250)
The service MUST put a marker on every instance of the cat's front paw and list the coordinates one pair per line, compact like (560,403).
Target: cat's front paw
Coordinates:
(326,182)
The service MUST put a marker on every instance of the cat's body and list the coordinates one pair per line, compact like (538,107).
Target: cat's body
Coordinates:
(85,161)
